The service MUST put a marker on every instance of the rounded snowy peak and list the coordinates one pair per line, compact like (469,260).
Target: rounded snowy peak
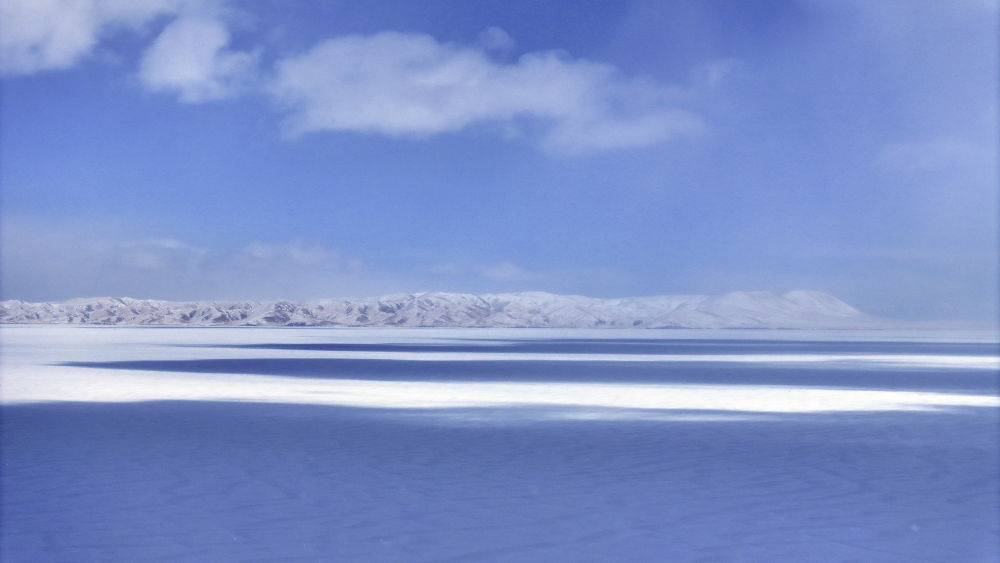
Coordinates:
(821,302)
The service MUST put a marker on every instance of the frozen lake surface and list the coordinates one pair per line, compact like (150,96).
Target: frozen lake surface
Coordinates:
(213,444)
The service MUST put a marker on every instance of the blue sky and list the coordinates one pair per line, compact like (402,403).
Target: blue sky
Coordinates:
(261,149)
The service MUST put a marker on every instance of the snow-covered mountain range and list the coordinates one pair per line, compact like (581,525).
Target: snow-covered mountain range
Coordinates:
(758,309)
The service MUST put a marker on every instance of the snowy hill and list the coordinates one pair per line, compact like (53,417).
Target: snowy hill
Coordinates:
(796,309)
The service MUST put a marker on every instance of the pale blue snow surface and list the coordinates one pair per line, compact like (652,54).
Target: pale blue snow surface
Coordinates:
(214,481)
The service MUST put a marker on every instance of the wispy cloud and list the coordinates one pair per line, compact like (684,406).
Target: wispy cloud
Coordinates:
(405,84)
(42,261)
(151,255)
(190,57)
(297,253)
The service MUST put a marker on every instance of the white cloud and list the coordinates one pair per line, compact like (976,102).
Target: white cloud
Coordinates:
(190,58)
(496,40)
(412,85)
(37,35)
(570,135)
(937,154)
(397,84)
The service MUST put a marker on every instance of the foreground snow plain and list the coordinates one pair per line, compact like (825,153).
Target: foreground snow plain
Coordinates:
(498,444)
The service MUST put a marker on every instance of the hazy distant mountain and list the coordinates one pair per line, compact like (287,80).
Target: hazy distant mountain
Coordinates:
(757,309)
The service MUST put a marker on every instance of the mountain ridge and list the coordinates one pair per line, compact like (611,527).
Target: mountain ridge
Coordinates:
(532,309)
